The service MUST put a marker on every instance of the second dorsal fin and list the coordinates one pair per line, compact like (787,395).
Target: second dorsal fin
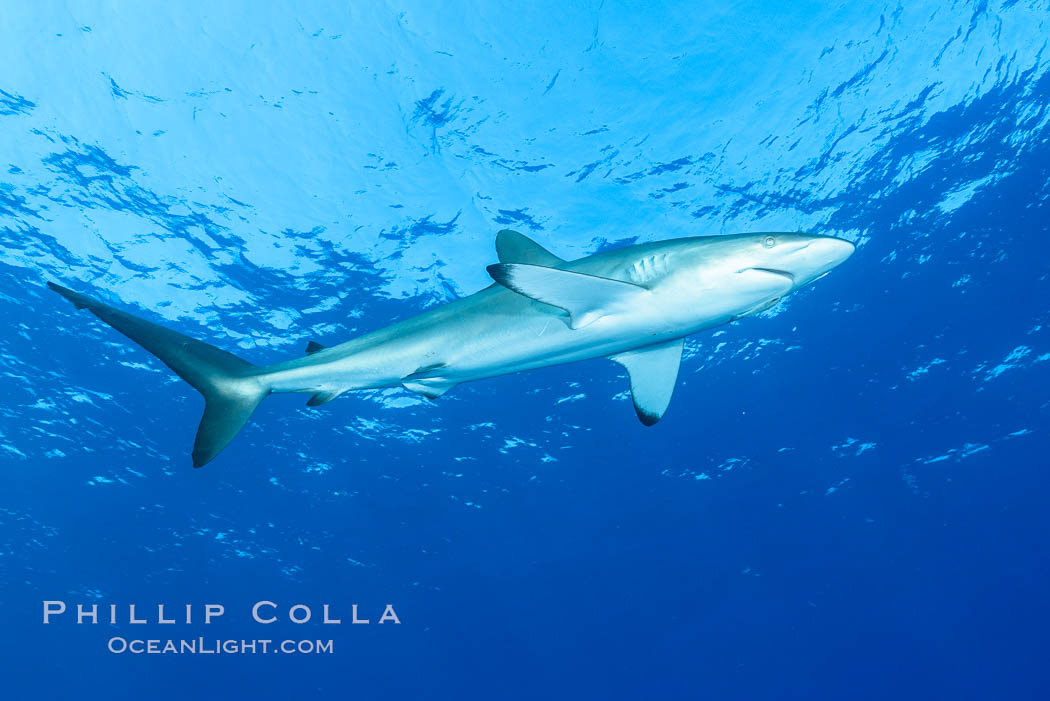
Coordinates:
(512,247)
(313,347)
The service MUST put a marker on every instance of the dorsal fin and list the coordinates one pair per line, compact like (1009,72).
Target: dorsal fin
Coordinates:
(653,372)
(586,298)
(313,347)
(512,247)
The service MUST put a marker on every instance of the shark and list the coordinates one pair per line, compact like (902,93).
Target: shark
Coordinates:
(634,305)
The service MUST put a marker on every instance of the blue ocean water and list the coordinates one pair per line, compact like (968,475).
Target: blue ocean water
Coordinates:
(846,499)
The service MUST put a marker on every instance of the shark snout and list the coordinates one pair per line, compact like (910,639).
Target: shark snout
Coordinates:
(833,251)
(811,257)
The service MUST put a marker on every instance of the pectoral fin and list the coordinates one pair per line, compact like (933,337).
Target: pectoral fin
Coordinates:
(653,372)
(585,297)
(512,247)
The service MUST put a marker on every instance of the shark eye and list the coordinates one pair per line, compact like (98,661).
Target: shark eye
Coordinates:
(769,242)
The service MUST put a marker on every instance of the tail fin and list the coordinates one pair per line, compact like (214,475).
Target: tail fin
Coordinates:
(231,389)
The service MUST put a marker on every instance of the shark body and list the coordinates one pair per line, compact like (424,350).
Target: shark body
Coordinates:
(634,305)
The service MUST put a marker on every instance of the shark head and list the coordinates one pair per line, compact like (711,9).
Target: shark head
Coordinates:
(743,274)
(796,259)
(803,258)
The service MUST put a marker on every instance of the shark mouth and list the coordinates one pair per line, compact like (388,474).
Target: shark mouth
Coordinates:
(774,271)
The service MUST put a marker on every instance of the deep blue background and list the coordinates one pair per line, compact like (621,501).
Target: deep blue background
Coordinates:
(847,498)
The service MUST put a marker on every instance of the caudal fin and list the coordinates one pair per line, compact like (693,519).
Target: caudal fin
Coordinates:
(231,387)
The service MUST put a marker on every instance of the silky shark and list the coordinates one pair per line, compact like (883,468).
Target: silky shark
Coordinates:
(634,305)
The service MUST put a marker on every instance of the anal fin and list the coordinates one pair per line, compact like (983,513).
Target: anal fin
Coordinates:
(431,387)
(428,381)
(323,397)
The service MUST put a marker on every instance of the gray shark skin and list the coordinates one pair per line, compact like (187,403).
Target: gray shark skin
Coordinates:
(634,305)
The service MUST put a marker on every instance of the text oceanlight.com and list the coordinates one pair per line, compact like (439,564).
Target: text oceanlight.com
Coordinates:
(202,646)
